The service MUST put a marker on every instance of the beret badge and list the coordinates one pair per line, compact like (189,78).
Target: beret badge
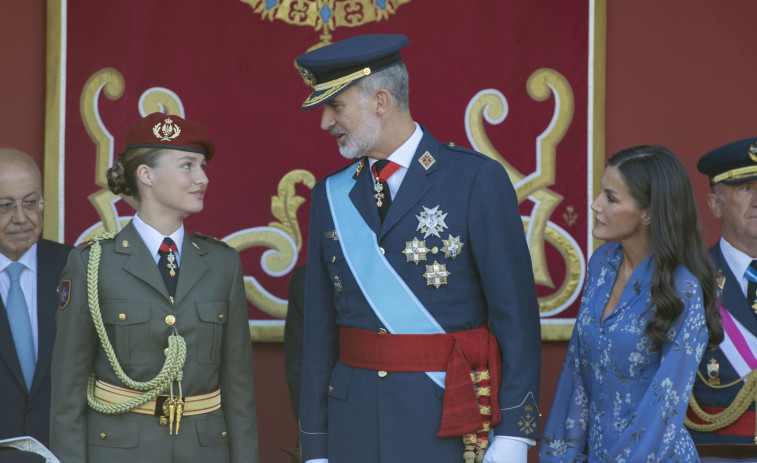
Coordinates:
(752,152)
(166,131)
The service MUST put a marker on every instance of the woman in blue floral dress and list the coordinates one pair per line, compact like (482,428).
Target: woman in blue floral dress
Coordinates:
(647,315)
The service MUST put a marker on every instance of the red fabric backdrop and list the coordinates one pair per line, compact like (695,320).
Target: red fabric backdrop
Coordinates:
(229,65)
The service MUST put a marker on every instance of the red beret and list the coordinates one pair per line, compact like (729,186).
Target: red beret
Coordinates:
(158,130)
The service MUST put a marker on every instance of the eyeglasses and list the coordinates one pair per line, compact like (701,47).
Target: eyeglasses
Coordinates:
(30,206)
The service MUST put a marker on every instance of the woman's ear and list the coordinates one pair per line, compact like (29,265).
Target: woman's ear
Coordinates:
(145,174)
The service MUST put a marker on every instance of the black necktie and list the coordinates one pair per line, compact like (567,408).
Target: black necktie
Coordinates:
(751,287)
(382,195)
(167,265)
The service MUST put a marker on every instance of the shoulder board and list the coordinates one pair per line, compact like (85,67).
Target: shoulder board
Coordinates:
(211,239)
(102,236)
(452,146)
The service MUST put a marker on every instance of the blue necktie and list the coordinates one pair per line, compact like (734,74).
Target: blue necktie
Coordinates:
(21,327)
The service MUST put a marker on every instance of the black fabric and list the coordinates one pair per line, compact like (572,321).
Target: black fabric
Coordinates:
(386,201)
(167,263)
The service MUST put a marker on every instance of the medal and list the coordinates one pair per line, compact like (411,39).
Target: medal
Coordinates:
(452,247)
(415,250)
(436,274)
(171,266)
(431,222)
(713,372)
(379,195)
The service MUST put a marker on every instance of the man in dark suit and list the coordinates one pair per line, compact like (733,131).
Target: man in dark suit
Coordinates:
(27,318)
(724,373)
(417,274)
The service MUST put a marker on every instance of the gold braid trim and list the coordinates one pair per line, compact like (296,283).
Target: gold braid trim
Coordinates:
(171,370)
(740,404)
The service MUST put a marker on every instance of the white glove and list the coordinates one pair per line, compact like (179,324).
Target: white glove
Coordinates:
(504,449)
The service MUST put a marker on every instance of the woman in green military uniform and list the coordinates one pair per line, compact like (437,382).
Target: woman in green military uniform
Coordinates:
(152,361)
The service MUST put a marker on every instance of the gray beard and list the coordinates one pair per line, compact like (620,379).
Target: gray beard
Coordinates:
(361,140)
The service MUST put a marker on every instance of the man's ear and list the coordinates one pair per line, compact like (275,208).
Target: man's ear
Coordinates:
(714,202)
(382,101)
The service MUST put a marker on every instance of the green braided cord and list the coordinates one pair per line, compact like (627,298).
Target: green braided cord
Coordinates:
(172,367)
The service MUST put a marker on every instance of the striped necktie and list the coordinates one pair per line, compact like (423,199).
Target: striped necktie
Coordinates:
(751,287)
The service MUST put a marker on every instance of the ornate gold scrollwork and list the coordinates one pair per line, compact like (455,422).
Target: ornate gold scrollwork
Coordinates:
(492,105)
(283,239)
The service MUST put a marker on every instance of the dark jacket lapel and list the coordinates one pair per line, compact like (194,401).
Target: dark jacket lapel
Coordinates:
(732,298)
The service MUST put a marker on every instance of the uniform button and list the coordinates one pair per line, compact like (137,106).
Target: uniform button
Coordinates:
(382,374)
(331,388)
(103,436)
(383,251)
(333,259)
(223,434)
(382,331)
(220,317)
(122,316)
(163,421)
(165,351)
(170,320)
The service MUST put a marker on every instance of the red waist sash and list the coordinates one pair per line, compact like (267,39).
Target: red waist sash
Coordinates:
(743,426)
(470,358)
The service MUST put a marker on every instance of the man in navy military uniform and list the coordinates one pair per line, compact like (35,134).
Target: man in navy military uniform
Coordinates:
(419,289)
(732,170)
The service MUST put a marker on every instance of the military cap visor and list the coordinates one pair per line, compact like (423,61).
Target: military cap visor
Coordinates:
(332,69)
(732,163)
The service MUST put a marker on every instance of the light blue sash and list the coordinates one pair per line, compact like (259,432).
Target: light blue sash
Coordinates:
(390,298)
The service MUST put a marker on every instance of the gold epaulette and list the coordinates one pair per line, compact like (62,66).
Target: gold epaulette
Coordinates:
(211,239)
(102,236)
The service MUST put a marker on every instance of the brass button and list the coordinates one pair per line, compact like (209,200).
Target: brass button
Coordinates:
(163,421)
(165,351)
(434,250)
(382,331)
(170,320)
(331,388)
(220,317)
(223,434)
(333,259)
(103,436)
(122,316)
(382,374)
(383,251)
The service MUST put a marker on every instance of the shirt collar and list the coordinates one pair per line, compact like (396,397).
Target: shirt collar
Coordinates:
(736,260)
(153,238)
(29,260)
(404,154)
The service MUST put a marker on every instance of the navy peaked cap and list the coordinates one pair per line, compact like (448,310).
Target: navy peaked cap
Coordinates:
(732,163)
(332,69)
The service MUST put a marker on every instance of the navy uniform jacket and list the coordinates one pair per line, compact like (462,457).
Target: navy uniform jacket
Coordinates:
(210,313)
(734,301)
(22,413)
(350,414)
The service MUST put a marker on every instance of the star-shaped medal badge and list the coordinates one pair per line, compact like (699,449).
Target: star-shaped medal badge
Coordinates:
(431,222)
(436,274)
(415,250)
(452,247)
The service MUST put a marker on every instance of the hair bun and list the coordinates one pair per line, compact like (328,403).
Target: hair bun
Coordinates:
(117,180)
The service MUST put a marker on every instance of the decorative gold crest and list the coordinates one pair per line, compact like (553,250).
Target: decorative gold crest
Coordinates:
(436,274)
(752,152)
(426,160)
(307,75)
(125,243)
(713,372)
(452,247)
(415,250)
(166,131)
(527,424)
(720,279)
(363,161)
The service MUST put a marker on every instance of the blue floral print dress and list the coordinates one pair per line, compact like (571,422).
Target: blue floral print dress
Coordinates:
(618,400)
